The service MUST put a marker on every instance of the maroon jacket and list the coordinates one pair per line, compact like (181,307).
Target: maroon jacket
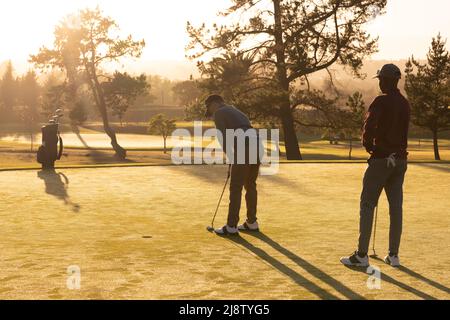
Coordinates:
(387,125)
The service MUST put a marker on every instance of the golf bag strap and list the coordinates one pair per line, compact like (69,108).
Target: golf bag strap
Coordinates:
(61,148)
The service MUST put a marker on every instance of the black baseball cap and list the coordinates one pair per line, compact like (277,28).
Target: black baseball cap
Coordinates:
(389,71)
(213,98)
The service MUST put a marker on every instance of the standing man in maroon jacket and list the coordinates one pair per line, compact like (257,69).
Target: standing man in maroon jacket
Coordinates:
(385,138)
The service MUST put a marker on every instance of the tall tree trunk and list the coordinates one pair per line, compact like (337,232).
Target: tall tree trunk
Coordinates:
(287,118)
(290,135)
(165,150)
(437,156)
(350,151)
(121,153)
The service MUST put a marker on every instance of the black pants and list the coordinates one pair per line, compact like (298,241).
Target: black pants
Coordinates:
(380,176)
(243,176)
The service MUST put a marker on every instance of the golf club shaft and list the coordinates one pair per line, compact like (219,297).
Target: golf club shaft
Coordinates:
(220,199)
(375,230)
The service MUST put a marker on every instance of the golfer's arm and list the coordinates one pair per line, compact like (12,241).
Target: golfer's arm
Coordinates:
(370,126)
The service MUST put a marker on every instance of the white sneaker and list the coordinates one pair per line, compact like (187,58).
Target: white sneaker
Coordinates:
(393,261)
(226,230)
(253,227)
(355,260)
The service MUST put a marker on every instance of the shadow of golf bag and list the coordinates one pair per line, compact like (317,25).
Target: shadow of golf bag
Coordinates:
(48,152)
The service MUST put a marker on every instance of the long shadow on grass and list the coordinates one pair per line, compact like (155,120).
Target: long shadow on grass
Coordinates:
(211,174)
(295,276)
(433,283)
(77,132)
(420,277)
(324,156)
(385,277)
(440,167)
(308,267)
(216,174)
(99,157)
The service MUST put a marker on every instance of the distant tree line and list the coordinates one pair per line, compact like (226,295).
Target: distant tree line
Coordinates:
(19,96)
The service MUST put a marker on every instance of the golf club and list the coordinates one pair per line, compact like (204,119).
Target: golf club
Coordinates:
(56,116)
(211,227)
(374,255)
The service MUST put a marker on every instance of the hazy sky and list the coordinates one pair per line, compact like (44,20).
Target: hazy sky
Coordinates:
(406,29)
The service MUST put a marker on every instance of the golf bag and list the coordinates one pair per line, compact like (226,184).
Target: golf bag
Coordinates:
(48,152)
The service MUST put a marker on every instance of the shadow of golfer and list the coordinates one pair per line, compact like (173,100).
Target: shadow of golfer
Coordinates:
(295,276)
(385,277)
(308,267)
(424,279)
(420,277)
(56,184)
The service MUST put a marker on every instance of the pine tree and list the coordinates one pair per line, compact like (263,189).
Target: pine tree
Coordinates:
(428,90)
(8,93)
(29,103)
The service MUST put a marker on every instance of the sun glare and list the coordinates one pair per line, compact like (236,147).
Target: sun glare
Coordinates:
(27,25)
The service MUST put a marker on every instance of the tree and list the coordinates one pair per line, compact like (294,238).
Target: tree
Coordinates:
(186,92)
(29,100)
(428,90)
(159,124)
(83,44)
(161,90)
(195,110)
(8,93)
(78,115)
(53,99)
(231,74)
(319,111)
(122,90)
(236,78)
(352,120)
(290,40)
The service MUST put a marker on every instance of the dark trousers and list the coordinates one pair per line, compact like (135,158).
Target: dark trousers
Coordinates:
(243,176)
(378,177)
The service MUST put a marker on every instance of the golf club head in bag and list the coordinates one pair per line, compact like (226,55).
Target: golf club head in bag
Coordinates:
(56,116)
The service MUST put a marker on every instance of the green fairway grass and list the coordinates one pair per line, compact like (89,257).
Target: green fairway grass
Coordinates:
(140,232)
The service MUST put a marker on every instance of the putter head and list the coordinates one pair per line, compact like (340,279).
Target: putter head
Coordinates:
(374,255)
(210,229)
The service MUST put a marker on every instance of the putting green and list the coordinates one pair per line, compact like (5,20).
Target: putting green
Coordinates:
(141,233)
